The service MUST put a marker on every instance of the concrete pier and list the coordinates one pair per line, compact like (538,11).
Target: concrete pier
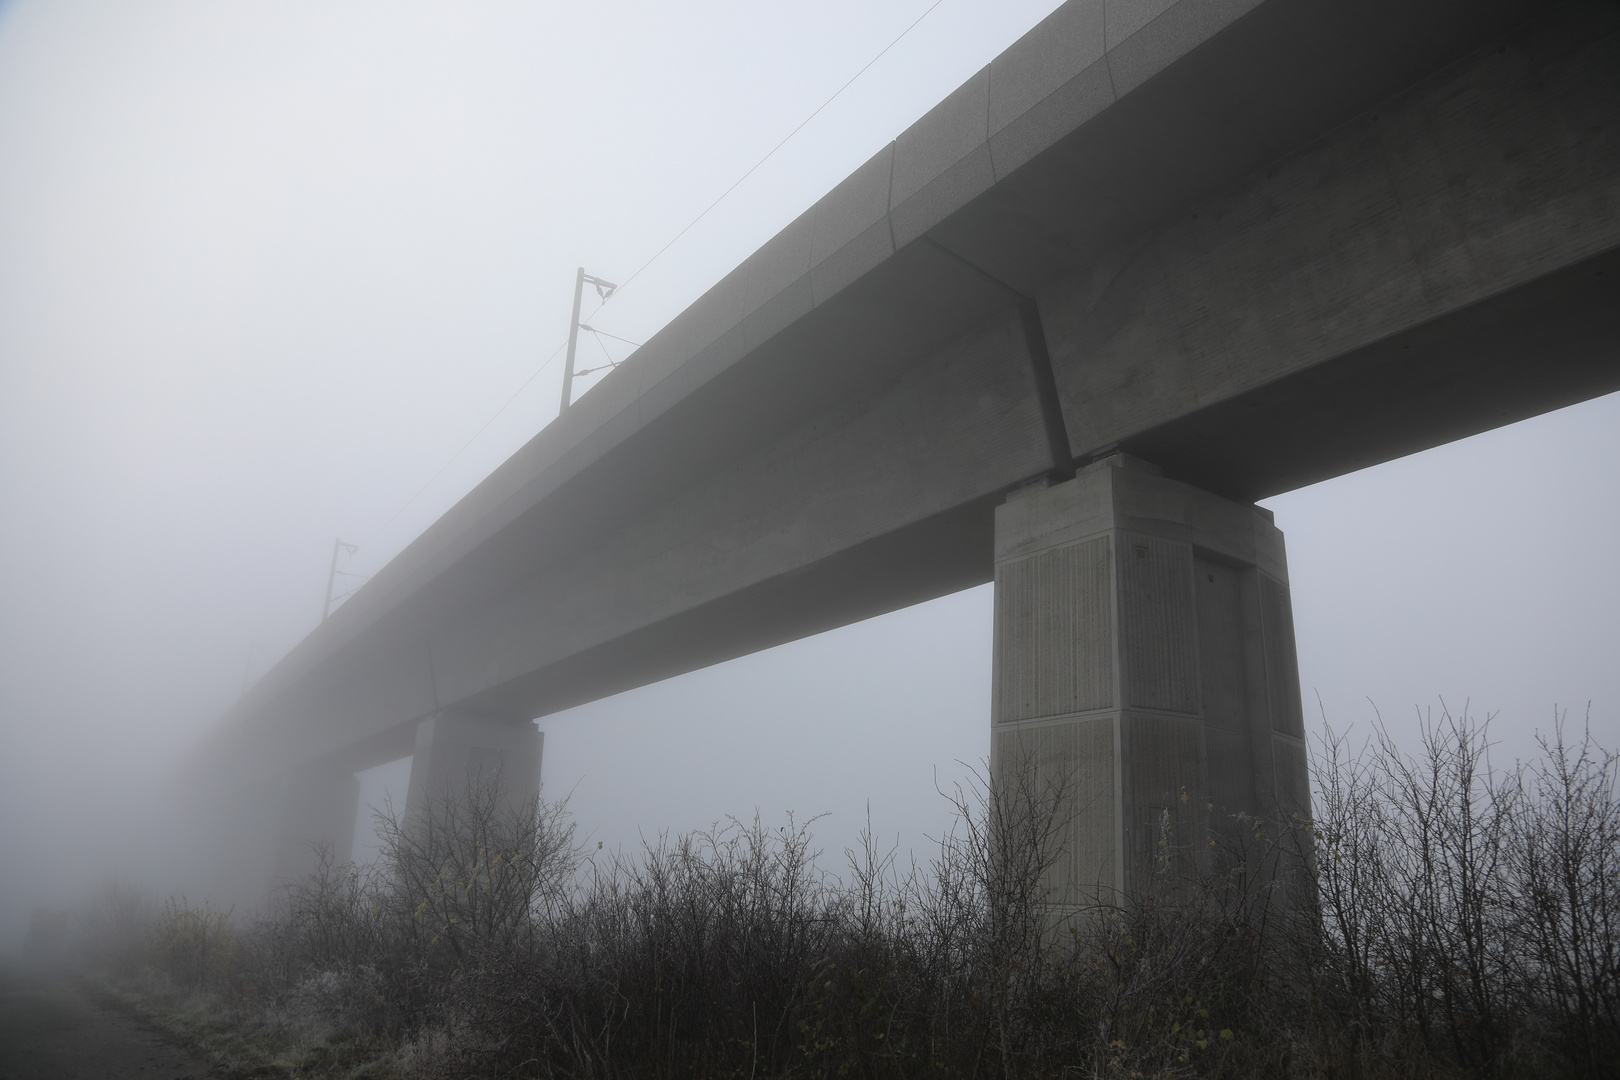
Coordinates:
(319,802)
(454,749)
(1145,674)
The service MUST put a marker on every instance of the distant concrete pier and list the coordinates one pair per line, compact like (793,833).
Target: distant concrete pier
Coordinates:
(312,813)
(454,750)
(317,803)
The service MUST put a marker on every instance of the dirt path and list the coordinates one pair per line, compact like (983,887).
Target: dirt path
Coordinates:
(50,1029)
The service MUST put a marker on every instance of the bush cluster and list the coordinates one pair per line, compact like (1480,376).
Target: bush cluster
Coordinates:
(1434,919)
(1472,917)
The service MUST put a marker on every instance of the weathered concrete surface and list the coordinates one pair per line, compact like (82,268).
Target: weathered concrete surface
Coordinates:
(314,810)
(1438,266)
(1145,682)
(454,752)
(1270,242)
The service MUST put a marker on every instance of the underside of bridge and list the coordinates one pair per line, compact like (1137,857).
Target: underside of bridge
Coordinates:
(1252,245)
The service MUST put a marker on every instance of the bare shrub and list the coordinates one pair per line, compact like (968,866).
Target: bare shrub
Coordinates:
(1470,914)
(193,945)
(1205,969)
(685,960)
(475,871)
(1435,918)
(465,881)
(113,927)
(1562,860)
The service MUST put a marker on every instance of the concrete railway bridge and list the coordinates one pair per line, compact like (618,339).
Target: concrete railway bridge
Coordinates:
(1159,259)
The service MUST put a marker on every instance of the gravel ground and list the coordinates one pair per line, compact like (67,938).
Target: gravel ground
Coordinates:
(52,1029)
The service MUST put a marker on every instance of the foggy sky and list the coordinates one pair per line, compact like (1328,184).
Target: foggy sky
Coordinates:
(266,268)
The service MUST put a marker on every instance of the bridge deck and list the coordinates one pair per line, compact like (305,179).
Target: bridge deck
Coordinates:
(1270,242)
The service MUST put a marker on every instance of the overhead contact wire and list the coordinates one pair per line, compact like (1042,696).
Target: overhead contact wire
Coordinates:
(772,152)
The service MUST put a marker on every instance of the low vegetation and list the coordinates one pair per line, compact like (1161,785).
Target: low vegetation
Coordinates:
(1435,919)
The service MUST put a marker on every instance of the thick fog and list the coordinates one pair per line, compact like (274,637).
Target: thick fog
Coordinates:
(277,274)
